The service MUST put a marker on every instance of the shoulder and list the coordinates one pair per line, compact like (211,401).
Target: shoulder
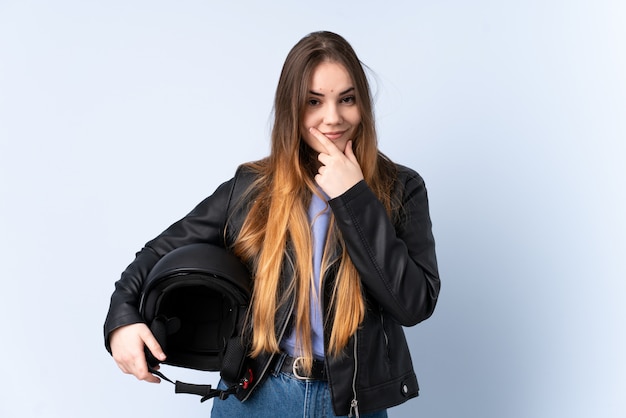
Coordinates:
(408,177)
(247,182)
(397,175)
(251,171)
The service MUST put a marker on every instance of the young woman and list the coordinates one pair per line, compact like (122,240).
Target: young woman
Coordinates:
(338,239)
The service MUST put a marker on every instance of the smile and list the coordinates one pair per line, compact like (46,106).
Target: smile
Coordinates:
(334,135)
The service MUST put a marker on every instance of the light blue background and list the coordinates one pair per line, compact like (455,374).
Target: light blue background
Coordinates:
(117,117)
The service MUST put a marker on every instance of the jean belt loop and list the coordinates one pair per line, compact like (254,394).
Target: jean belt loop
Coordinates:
(279,363)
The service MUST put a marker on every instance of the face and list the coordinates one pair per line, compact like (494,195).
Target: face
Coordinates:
(330,106)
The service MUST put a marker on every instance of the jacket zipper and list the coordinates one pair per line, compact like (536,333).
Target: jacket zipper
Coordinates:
(354,404)
(382,323)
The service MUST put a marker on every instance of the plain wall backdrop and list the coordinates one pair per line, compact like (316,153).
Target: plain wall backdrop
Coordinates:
(117,117)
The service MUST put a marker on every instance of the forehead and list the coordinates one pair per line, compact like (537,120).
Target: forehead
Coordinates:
(329,76)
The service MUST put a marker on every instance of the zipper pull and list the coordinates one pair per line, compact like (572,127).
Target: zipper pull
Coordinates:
(354,406)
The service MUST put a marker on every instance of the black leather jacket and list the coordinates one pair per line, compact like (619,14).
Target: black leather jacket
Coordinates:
(397,265)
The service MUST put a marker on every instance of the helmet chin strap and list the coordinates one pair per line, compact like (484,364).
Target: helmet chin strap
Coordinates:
(206,391)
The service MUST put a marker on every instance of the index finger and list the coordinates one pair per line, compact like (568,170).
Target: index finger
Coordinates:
(153,345)
(328,145)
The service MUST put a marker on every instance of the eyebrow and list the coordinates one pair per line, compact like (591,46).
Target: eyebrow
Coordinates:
(341,94)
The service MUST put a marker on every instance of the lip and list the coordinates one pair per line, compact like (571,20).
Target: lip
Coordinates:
(334,135)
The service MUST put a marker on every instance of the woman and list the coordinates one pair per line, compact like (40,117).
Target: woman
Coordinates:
(339,242)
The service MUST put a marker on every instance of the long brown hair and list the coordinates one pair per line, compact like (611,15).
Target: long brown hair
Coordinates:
(277,229)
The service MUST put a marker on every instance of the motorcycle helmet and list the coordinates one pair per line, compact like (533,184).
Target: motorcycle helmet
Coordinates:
(194,300)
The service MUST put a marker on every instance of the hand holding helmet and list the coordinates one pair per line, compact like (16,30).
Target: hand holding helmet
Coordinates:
(127,346)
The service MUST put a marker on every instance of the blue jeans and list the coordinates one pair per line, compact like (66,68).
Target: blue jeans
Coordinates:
(282,395)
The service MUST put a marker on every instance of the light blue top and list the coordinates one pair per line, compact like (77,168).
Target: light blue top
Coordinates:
(319,215)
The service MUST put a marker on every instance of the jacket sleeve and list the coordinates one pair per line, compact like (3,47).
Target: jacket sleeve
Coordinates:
(396,263)
(205,223)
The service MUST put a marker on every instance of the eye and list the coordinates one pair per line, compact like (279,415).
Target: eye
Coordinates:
(348,100)
(312,102)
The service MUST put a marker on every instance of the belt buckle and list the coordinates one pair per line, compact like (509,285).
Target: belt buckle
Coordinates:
(294,369)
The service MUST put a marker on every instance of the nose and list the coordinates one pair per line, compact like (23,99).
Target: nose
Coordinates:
(332,116)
